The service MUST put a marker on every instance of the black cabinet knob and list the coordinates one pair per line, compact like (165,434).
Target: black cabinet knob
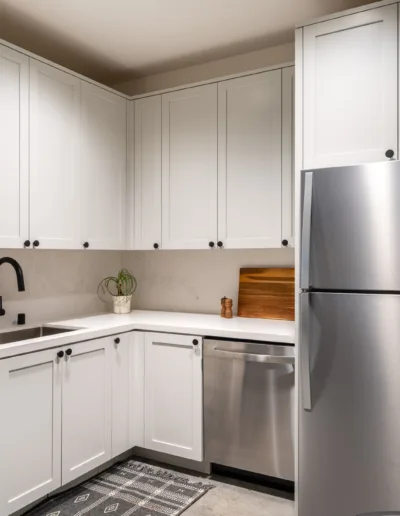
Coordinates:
(27,243)
(69,352)
(155,246)
(86,245)
(220,244)
(389,153)
(117,340)
(60,354)
(195,342)
(285,243)
(36,243)
(211,244)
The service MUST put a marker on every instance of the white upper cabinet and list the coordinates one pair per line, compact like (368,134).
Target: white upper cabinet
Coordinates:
(249,161)
(147,183)
(189,168)
(54,139)
(350,104)
(86,415)
(174,395)
(288,221)
(102,171)
(14,136)
(30,430)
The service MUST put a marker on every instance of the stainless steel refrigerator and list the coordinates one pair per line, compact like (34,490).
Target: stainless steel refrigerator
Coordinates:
(349,413)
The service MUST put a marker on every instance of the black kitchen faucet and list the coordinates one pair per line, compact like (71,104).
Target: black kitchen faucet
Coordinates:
(20,278)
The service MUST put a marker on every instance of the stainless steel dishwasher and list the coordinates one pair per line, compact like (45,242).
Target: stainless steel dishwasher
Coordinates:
(249,406)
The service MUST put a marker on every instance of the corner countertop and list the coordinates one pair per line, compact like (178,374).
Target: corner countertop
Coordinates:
(102,325)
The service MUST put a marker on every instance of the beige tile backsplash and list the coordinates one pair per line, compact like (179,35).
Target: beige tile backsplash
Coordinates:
(63,284)
(59,284)
(195,281)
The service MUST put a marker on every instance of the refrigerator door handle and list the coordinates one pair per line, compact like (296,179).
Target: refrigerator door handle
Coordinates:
(306,232)
(305,350)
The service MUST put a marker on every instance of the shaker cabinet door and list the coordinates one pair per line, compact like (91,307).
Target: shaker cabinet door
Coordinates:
(174,395)
(30,430)
(350,89)
(86,415)
(189,168)
(14,155)
(120,348)
(103,167)
(147,183)
(249,161)
(55,98)
(288,182)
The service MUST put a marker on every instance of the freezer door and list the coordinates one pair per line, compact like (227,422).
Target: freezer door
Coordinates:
(349,435)
(350,228)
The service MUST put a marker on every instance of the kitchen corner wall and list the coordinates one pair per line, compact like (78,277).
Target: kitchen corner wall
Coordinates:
(195,281)
(59,284)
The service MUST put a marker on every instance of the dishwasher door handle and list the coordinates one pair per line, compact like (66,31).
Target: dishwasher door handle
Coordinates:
(253,357)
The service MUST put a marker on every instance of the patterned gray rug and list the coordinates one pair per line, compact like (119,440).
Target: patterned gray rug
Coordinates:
(128,488)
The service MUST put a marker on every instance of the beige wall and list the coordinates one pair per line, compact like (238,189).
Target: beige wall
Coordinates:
(59,284)
(195,281)
(212,70)
(63,284)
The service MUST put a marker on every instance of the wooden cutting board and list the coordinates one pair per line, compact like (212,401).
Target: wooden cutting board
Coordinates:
(266,293)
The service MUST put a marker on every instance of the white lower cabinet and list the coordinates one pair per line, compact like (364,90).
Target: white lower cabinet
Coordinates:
(30,429)
(66,411)
(174,395)
(136,390)
(86,417)
(120,392)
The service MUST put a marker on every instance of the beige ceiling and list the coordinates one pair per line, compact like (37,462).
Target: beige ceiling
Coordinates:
(116,40)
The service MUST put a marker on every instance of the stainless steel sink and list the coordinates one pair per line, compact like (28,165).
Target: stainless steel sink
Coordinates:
(32,333)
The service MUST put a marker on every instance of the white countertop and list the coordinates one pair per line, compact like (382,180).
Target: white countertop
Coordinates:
(267,330)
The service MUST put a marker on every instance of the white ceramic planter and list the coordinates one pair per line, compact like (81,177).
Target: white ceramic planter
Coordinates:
(122,304)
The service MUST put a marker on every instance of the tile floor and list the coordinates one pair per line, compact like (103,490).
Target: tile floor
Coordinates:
(232,497)
(231,500)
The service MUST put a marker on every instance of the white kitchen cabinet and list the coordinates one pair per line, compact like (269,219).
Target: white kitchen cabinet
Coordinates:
(249,161)
(120,391)
(86,414)
(189,168)
(288,219)
(55,98)
(102,169)
(350,96)
(174,395)
(147,183)
(14,155)
(30,430)
(136,389)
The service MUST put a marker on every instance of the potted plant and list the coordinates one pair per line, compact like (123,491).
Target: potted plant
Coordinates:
(120,288)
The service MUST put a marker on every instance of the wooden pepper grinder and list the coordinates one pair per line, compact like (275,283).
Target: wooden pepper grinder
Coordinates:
(228,308)
(223,307)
